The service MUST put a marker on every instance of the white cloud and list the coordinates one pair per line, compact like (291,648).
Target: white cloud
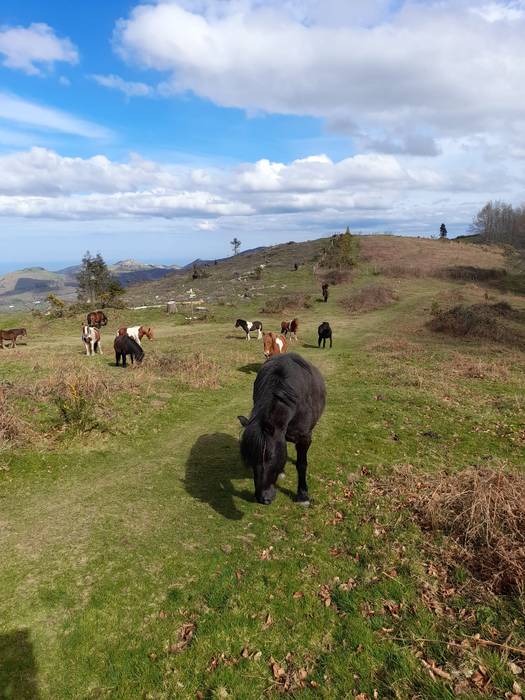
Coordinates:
(32,48)
(24,112)
(42,184)
(128,88)
(398,80)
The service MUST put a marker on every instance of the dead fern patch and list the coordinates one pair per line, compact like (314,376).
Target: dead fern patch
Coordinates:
(486,321)
(481,510)
(195,371)
(368,298)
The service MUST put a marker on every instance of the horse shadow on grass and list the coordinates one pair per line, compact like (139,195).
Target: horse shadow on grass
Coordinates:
(309,345)
(214,463)
(18,670)
(252,368)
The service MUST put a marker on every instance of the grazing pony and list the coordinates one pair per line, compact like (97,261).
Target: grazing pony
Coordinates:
(91,340)
(290,327)
(325,333)
(288,399)
(274,344)
(324,289)
(12,334)
(249,326)
(136,332)
(124,345)
(97,319)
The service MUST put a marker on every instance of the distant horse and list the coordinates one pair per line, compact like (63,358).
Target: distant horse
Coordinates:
(324,289)
(274,344)
(136,332)
(288,399)
(249,326)
(91,340)
(12,334)
(124,345)
(325,333)
(96,319)
(290,327)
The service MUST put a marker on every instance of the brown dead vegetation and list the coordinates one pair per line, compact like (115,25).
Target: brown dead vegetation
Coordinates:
(13,430)
(195,371)
(291,302)
(368,298)
(485,321)
(482,510)
(396,256)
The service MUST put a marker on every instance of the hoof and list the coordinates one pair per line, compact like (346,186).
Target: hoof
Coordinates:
(281,476)
(303,499)
(304,503)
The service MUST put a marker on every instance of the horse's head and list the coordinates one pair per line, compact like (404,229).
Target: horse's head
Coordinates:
(263,448)
(268,341)
(238,322)
(102,318)
(143,331)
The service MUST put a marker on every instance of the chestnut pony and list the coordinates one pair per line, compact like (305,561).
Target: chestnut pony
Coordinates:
(274,344)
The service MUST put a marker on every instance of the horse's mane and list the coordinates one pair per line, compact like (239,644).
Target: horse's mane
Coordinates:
(273,384)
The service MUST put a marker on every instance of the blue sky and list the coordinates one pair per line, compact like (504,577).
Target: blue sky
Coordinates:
(161,130)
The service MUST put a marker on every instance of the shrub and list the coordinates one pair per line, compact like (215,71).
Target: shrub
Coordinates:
(476,321)
(78,395)
(291,301)
(335,277)
(13,430)
(369,298)
(196,371)
(482,510)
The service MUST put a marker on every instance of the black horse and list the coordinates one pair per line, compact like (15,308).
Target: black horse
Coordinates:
(288,400)
(324,289)
(325,333)
(249,326)
(124,345)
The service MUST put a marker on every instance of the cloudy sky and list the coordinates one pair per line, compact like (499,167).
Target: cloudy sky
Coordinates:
(161,130)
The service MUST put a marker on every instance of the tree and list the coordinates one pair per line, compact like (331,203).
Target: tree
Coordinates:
(443,231)
(235,244)
(96,284)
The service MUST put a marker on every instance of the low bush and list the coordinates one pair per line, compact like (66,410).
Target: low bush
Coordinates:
(292,301)
(477,321)
(335,277)
(368,298)
(78,394)
(196,371)
(483,512)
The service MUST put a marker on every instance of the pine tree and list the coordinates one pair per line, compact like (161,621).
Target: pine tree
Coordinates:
(443,231)
(236,244)
(96,284)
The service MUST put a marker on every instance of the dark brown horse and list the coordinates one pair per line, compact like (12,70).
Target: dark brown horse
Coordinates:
(290,327)
(12,334)
(125,345)
(96,319)
(324,289)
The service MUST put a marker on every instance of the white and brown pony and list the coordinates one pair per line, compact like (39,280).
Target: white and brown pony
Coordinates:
(91,339)
(136,332)
(290,327)
(274,344)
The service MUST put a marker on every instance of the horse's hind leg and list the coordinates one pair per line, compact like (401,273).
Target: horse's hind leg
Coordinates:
(302,447)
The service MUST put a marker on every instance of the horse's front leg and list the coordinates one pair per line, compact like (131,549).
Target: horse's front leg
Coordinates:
(302,446)
(100,347)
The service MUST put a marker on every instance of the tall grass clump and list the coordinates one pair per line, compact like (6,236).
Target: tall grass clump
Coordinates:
(368,298)
(292,301)
(78,395)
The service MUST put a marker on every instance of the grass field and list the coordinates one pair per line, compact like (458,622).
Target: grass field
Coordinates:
(135,563)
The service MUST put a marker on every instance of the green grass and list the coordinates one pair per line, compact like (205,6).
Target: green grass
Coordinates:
(112,539)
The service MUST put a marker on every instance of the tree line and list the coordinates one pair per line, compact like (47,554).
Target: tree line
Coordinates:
(500,222)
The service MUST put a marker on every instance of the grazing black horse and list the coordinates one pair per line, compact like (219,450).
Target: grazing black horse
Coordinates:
(325,333)
(249,326)
(324,289)
(288,400)
(125,345)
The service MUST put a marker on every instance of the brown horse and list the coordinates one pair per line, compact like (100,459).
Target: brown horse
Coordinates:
(324,289)
(12,334)
(290,327)
(274,344)
(96,319)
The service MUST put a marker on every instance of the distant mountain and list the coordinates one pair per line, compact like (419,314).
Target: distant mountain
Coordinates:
(31,285)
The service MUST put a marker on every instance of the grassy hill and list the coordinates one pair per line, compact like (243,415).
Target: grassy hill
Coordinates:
(134,560)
